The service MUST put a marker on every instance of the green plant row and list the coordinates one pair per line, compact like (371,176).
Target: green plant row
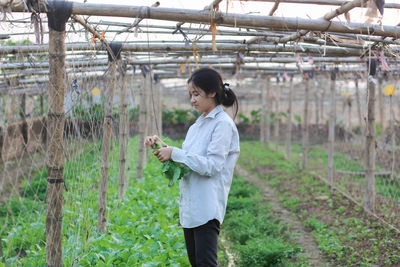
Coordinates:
(254,236)
(142,230)
(344,233)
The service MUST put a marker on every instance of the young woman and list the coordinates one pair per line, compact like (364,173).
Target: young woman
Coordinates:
(210,150)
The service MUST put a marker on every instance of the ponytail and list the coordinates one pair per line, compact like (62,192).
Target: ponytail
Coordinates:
(228,98)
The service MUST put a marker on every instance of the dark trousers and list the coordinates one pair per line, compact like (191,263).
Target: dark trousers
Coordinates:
(202,244)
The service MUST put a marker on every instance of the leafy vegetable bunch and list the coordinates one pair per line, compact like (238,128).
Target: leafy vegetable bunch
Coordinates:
(172,170)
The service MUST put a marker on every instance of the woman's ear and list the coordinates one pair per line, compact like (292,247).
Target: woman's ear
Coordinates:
(212,95)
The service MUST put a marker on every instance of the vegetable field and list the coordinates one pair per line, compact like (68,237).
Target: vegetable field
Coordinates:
(83,83)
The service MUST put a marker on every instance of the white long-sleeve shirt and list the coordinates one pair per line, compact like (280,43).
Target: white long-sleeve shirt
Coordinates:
(210,150)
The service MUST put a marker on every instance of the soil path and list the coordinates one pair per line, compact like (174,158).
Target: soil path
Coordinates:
(303,238)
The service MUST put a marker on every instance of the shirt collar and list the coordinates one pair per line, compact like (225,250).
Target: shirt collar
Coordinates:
(214,112)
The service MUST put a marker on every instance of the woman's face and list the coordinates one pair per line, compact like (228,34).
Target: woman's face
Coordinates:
(200,100)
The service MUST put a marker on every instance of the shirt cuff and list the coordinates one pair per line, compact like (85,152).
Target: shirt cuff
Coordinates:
(178,155)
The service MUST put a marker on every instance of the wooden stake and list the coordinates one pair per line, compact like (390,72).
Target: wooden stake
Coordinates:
(142,130)
(305,124)
(392,137)
(380,107)
(55,148)
(331,133)
(289,121)
(158,107)
(369,199)
(360,121)
(105,155)
(122,136)
(264,106)
(316,106)
(277,116)
(268,112)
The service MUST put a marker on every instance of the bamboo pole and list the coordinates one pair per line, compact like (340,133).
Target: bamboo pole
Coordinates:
(322,2)
(122,136)
(277,115)
(327,17)
(289,120)
(332,122)
(380,107)
(264,107)
(77,64)
(268,111)
(316,106)
(158,105)
(392,137)
(203,47)
(305,124)
(237,20)
(369,199)
(106,144)
(142,129)
(55,130)
(360,121)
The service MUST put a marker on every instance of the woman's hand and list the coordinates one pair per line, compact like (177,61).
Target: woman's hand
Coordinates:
(149,140)
(163,154)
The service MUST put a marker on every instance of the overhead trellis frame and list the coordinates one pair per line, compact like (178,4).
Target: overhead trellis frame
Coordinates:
(236,20)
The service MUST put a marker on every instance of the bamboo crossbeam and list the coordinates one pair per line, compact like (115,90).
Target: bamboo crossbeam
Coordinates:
(4,36)
(211,6)
(138,20)
(322,2)
(309,49)
(235,20)
(327,17)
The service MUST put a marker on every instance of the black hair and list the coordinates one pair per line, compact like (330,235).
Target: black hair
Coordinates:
(210,81)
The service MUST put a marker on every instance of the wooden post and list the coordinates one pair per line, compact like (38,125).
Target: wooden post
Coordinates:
(305,123)
(360,121)
(142,128)
(22,111)
(277,115)
(268,112)
(107,132)
(380,107)
(332,122)
(289,120)
(58,13)
(264,106)
(369,199)
(41,105)
(316,106)
(158,105)
(392,136)
(322,114)
(122,134)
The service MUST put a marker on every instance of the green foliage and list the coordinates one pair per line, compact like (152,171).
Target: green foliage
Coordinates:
(179,115)
(36,189)
(243,118)
(297,118)
(255,115)
(261,240)
(341,230)
(172,170)
(142,230)
(94,113)
(134,114)
(326,238)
